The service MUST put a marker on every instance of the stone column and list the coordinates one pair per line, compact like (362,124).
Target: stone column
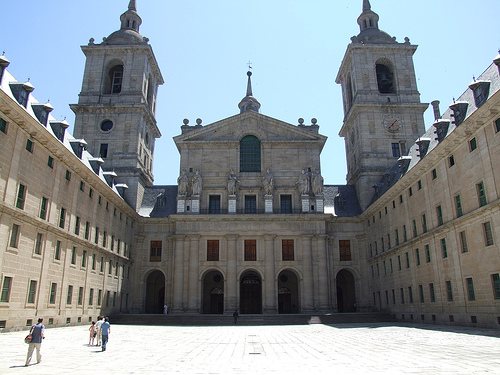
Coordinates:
(332,294)
(231,297)
(185,271)
(169,270)
(193,272)
(270,286)
(178,281)
(308,284)
(322,271)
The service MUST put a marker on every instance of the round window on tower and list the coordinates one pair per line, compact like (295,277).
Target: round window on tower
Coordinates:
(106,125)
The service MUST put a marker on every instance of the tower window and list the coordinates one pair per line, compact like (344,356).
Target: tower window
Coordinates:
(384,79)
(249,154)
(106,125)
(115,79)
(103,152)
(396,153)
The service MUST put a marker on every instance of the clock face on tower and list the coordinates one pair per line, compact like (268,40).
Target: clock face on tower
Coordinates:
(392,124)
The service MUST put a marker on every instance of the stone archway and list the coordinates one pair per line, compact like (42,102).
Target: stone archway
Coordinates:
(288,293)
(251,293)
(346,291)
(155,292)
(213,293)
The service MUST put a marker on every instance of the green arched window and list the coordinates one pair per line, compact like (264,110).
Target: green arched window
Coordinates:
(250,154)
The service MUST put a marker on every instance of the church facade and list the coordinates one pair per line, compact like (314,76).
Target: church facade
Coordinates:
(251,224)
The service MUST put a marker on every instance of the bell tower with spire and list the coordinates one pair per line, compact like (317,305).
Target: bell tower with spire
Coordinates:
(383,114)
(116,108)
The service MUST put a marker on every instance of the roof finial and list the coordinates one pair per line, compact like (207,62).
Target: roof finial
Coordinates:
(132,6)
(366,5)
(249,102)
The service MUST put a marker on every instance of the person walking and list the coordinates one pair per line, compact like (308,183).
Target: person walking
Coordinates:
(235,316)
(105,331)
(93,333)
(37,335)
(100,319)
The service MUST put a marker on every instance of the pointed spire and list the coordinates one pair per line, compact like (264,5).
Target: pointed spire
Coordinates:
(129,30)
(249,102)
(366,6)
(368,25)
(132,6)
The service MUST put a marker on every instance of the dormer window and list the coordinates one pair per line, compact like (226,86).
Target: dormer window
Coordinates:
(459,111)
(384,79)
(21,92)
(42,112)
(78,145)
(59,127)
(481,91)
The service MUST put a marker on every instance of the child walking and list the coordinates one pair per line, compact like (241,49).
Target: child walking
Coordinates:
(93,333)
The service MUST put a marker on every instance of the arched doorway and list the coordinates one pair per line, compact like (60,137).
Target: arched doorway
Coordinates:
(251,294)
(213,293)
(346,292)
(288,293)
(155,293)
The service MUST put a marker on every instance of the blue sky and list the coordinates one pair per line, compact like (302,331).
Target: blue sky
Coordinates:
(203,47)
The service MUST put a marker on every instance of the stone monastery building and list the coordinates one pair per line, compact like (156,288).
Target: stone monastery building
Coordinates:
(251,225)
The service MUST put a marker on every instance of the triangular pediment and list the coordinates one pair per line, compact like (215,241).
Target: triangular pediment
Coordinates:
(266,128)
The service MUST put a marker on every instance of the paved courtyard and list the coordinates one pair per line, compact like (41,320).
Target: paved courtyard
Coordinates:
(309,349)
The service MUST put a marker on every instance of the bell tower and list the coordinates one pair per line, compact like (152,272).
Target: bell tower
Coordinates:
(383,114)
(116,108)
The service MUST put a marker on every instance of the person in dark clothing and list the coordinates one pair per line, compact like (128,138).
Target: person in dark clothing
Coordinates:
(235,316)
(37,335)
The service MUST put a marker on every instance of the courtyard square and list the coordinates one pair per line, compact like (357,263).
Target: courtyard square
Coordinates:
(311,349)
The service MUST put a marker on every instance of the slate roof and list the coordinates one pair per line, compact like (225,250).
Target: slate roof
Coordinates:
(432,137)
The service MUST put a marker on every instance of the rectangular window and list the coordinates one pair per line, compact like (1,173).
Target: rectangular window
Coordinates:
(53,291)
(250,250)
(488,234)
(29,145)
(392,268)
(62,218)
(286,204)
(407,260)
(444,248)
(104,239)
(91,297)
(427,253)
(43,208)
(432,293)
(470,289)
(68,175)
(32,291)
(434,174)
(213,250)
(405,235)
(214,204)
(415,228)
(82,186)
(449,291)
(472,144)
(103,151)
(3,126)
(481,194)
(107,298)
(38,243)
(84,259)
(99,297)
(250,204)
(73,255)
(102,265)
(497,125)
(110,268)
(77,225)
(402,296)
(395,150)
(439,212)
(114,299)
(393,297)
(113,244)
(399,262)
(91,193)
(495,279)
(417,255)
(155,251)
(424,223)
(50,162)
(287,250)
(96,237)
(57,252)
(410,192)
(93,262)
(6,286)
(458,204)
(419,184)
(14,236)
(80,296)
(87,230)
(21,197)
(451,161)
(397,237)
(345,250)
(69,298)
(421,290)
(463,242)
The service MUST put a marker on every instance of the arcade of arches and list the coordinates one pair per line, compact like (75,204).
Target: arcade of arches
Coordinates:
(250,292)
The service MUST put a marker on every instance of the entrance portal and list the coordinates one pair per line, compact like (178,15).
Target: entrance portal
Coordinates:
(346,292)
(213,293)
(251,294)
(288,293)
(155,293)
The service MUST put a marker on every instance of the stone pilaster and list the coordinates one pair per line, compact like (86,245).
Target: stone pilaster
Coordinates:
(193,271)
(178,282)
(231,302)
(270,286)
(308,290)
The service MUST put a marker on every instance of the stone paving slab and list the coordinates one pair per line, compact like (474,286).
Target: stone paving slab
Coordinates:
(311,349)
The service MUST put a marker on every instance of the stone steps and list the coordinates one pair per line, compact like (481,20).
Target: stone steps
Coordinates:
(250,319)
